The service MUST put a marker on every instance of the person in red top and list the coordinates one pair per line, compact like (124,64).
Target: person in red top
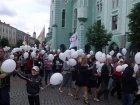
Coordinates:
(117,80)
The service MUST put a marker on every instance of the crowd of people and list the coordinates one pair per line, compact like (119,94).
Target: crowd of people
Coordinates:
(85,74)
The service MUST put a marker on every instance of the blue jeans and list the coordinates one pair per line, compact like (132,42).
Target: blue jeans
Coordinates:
(4,95)
(127,99)
(48,73)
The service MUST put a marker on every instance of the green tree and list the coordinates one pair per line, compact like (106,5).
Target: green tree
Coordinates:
(4,42)
(134,26)
(37,43)
(97,36)
(19,43)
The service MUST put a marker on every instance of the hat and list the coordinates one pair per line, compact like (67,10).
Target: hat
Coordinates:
(36,68)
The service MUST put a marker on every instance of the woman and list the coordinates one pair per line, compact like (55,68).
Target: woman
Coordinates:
(93,77)
(83,79)
(58,64)
(67,77)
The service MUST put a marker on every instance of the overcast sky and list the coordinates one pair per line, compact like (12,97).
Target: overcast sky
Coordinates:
(26,15)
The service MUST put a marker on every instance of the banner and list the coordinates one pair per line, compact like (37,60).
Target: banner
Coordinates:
(74,40)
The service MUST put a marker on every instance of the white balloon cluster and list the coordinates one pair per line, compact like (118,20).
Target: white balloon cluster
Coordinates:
(101,57)
(6,48)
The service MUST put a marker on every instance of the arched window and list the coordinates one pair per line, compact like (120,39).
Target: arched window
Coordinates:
(63,17)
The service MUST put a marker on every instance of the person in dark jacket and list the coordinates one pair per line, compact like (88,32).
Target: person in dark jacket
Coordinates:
(33,85)
(4,82)
(129,85)
(106,72)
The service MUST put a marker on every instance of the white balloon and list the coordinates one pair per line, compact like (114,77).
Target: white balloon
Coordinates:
(111,52)
(67,53)
(62,56)
(74,54)
(124,66)
(25,55)
(8,66)
(88,55)
(51,57)
(119,68)
(118,55)
(58,50)
(42,52)
(97,64)
(72,62)
(80,52)
(33,54)
(98,54)
(136,67)
(102,57)
(124,51)
(91,53)
(99,70)
(12,56)
(56,79)
(137,58)
(72,51)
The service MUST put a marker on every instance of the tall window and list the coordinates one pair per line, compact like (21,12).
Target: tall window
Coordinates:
(75,18)
(99,23)
(63,17)
(99,6)
(114,22)
(115,3)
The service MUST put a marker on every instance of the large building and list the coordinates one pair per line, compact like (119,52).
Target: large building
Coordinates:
(13,34)
(69,16)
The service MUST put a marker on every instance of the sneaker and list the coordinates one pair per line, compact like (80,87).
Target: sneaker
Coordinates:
(96,99)
(60,90)
(70,94)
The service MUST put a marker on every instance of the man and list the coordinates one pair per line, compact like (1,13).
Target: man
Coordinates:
(4,83)
(106,73)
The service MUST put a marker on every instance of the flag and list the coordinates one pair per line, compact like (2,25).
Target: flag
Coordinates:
(41,36)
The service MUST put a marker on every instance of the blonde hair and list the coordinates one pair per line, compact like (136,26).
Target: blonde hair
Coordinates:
(84,60)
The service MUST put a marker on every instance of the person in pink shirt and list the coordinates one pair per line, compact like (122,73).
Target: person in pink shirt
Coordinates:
(48,65)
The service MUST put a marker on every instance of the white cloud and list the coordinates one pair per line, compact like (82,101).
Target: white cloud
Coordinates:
(4,10)
(27,15)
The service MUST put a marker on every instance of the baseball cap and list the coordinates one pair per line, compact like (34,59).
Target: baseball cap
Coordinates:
(36,68)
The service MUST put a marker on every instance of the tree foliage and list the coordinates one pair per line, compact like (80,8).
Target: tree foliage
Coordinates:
(134,26)
(4,42)
(37,43)
(19,43)
(97,36)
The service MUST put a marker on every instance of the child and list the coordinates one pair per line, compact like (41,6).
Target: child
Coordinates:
(33,85)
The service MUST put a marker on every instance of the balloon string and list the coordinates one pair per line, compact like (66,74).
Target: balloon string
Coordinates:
(46,86)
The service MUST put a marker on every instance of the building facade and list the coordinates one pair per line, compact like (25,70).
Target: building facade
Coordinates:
(9,32)
(69,16)
(13,34)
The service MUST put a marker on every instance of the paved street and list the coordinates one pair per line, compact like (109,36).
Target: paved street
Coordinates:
(51,96)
